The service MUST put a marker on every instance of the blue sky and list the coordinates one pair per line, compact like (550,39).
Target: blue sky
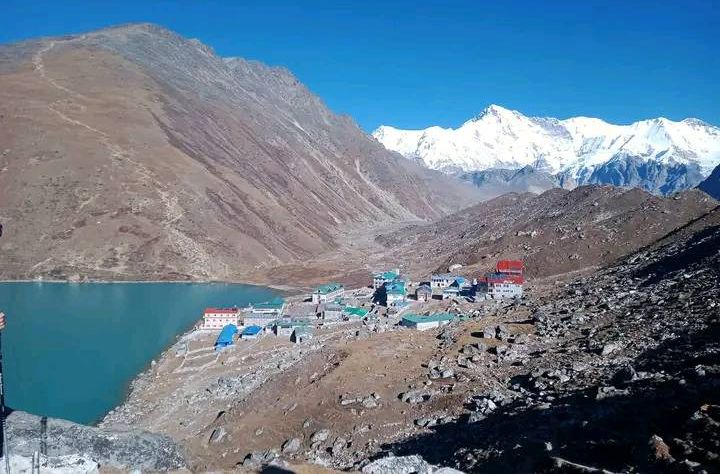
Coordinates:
(421,63)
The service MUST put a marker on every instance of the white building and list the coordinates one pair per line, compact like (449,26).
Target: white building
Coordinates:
(395,293)
(332,312)
(328,293)
(425,322)
(275,307)
(501,285)
(443,280)
(218,318)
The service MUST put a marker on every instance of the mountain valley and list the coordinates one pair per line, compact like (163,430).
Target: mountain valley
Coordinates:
(132,153)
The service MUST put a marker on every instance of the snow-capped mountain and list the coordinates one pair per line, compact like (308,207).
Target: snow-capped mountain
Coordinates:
(659,155)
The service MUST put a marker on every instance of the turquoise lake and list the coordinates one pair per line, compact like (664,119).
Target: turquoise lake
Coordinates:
(71,350)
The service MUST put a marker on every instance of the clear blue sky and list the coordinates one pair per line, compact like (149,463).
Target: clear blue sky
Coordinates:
(420,63)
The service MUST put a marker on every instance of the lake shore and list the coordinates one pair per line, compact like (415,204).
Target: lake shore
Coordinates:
(288,289)
(125,326)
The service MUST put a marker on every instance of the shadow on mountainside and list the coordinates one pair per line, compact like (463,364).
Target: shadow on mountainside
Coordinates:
(703,244)
(612,433)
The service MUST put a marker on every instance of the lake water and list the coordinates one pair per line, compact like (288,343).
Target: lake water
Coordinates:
(71,350)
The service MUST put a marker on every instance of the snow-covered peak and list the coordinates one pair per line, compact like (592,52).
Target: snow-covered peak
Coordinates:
(502,138)
(495,112)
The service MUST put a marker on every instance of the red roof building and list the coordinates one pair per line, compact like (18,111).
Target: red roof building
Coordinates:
(218,318)
(495,278)
(210,311)
(504,285)
(513,267)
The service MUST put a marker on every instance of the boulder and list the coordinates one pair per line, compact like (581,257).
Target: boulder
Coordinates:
(291,446)
(415,396)
(405,465)
(123,450)
(217,435)
(320,436)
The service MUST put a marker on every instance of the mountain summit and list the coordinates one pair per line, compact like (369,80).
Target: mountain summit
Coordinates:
(134,153)
(659,155)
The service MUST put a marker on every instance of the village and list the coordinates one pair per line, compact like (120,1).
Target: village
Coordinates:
(389,301)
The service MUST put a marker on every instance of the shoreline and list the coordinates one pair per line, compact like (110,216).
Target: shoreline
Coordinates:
(285,288)
(146,370)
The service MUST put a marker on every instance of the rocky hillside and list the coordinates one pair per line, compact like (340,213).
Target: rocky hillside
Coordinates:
(621,373)
(711,185)
(614,371)
(134,153)
(556,232)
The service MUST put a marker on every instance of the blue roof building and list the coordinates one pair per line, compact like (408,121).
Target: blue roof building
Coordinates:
(226,337)
(251,332)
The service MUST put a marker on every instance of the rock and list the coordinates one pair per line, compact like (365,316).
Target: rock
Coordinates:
(426,422)
(254,459)
(415,396)
(124,450)
(339,446)
(405,465)
(70,464)
(369,402)
(608,392)
(475,417)
(659,451)
(259,431)
(291,446)
(320,436)
(624,374)
(217,435)
(489,333)
(609,348)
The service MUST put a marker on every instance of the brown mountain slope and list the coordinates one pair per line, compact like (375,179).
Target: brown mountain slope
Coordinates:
(133,153)
(556,232)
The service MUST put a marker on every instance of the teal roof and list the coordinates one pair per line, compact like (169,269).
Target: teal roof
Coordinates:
(292,323)
(354,311)
(389,275)
(418,318)
(328,288)
(277,303)
(396,287)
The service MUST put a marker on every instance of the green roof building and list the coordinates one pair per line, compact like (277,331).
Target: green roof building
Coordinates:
(429,321)
(328,292)
(274,306)
(379,279)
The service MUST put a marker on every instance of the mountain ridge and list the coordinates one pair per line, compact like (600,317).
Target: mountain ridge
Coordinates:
(659,155)
(134,153)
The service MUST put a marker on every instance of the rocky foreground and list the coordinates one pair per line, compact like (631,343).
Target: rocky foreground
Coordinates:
(623,376)
(65,446)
